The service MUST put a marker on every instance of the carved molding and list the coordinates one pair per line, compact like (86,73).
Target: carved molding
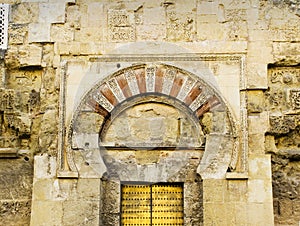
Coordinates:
(105,97)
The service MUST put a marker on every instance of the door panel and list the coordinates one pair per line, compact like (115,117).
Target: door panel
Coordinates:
(136,206)
(167,205)
(158,204)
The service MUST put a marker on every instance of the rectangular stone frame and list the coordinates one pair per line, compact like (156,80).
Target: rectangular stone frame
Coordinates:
(180,61)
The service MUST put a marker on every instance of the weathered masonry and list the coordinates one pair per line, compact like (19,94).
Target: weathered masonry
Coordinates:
(133,112)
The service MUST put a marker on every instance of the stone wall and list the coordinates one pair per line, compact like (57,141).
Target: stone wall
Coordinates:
(282,141)
(58,50)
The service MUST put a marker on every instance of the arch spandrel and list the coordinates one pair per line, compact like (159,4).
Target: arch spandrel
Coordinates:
(126,87)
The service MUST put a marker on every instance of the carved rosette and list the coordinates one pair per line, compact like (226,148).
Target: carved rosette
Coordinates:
(284,93)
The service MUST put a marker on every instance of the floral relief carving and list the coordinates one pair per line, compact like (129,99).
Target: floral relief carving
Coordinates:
(120,26)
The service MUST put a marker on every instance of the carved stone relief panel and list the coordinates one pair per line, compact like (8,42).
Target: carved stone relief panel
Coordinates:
(180,27)
(121,26)
(284,92)
(283,103)
(152,78)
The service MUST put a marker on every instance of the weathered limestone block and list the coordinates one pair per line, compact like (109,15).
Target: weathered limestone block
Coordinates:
(53,215)
(16,211)
(25,13)
(282,124)
(286,187)
(22,122)
(17,33)
(207,8)
(154,16)
(255,101)
(270,146)
(260,213)
(39,32)
(16,179)
(193,203)
(90,34)
(258,124)
(260,167)
(30,55)
(45,167)
(73,16)
(215,214)
(95,14)
(90,163)
(87,48)
(211,31)
(80,212)
(290,141)
(15,191)
(256,143)
(286,53)
(219,187)
(50,79)
(88,189)
(23,82)
(62,33)
(48,56)
(153,125)
(66,48)
(259,191)
(236,191)
(44,190)
(48,132)
(150,32)
(216,205)
(111,197)
(11,57)
(52,12)
(257,127)
(216,158)
(88,123)
(257,78)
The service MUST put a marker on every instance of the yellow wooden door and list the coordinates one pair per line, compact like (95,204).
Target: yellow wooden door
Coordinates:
(153,205)
(136,205)
(167,205)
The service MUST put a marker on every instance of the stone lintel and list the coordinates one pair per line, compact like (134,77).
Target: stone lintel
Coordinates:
(8,152)
(236,176)
(67,174)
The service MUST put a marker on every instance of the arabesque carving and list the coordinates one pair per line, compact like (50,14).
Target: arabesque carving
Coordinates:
(120,26)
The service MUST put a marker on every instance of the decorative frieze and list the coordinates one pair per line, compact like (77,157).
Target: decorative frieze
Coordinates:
(103,101)
(186,88)
(115,88)
(132,82)
(150,78)
(200,100)
(168,80)
(284,75)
